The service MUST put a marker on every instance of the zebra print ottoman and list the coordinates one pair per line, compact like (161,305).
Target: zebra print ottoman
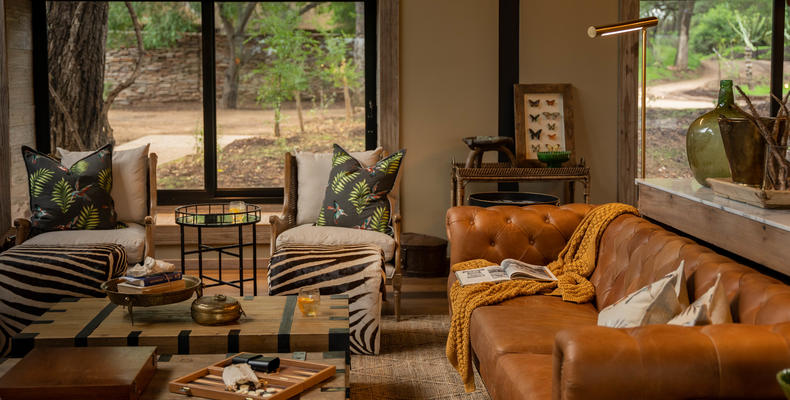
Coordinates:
(34,277)
(354,270)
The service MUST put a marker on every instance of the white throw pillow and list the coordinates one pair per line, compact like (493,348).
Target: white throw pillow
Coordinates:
(313,174)
(129,180)
(710,308)
(655,303)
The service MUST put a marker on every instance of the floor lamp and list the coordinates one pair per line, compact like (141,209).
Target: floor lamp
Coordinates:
(631,26)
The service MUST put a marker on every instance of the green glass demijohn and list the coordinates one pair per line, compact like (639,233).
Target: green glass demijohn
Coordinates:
(704,147)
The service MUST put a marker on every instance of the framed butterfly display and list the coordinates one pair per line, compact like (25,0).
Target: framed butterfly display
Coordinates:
(544,121)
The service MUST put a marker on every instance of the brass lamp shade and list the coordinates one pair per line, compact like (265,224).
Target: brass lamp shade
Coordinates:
(622,27)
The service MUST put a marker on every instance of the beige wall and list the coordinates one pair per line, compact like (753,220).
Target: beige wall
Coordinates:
(555,48)
(449,79)
(20,92)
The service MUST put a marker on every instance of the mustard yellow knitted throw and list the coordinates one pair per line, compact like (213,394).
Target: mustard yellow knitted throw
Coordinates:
(573,266)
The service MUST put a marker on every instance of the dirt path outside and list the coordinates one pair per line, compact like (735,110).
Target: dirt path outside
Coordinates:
(174,133)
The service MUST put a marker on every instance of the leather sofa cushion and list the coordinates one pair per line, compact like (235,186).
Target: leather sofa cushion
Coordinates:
(520,376)
(525,324)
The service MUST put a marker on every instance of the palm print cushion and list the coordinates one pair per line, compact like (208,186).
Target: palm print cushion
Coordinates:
(356,197)
(70,198)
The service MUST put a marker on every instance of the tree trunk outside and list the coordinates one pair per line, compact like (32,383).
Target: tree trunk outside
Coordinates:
(277,120)
(747,55)
(77,35)
(346,93)
(298,97)
(682,55)
(230,90)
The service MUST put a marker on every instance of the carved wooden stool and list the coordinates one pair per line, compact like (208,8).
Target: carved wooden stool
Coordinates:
(482,144)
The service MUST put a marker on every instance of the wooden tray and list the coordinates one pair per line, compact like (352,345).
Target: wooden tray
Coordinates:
(293,377)
(755,196)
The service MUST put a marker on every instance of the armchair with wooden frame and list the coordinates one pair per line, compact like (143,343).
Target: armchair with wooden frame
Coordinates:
(23,225)
(281,223)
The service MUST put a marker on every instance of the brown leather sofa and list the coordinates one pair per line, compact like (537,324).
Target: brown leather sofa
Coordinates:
(539,347)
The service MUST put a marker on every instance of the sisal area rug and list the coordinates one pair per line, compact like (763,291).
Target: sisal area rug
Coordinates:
(412,364)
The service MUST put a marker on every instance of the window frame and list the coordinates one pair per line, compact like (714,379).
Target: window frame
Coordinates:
(627,98)
(210,191)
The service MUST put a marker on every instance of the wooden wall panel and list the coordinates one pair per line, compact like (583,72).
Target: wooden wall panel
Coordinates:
(388,76)
(5,160)
(627,99)
(18,30)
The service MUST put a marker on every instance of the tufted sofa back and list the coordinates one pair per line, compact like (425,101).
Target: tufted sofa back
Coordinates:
(533,234)
(633,253)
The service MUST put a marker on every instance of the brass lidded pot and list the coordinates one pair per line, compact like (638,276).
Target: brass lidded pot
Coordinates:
(216,310)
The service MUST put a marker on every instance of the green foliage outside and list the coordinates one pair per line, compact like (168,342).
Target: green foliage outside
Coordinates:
(718,30)
(284,73)
(164,23)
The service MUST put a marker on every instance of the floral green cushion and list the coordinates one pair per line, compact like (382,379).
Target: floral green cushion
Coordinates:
(70,198)
(356,197)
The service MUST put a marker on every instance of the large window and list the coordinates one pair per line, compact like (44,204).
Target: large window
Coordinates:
(697,44)
(220,91)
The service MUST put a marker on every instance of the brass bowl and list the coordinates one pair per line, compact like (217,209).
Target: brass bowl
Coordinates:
(131,300)
(216,310)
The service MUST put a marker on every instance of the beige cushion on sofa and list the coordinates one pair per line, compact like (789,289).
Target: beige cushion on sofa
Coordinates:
(655,303)
(332,236)
(710,308)
(131,238)
(313,175)
(129,180)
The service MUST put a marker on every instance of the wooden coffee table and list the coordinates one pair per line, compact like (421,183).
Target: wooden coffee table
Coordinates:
(171,367)
(272,324)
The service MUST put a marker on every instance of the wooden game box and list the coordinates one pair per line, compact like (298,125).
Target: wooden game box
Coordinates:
(80,373)
(293,377)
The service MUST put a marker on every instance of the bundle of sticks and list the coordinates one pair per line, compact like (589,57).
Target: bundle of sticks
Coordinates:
(777,165)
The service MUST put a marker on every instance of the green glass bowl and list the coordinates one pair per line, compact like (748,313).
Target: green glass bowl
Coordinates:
(783,377)
(554,159)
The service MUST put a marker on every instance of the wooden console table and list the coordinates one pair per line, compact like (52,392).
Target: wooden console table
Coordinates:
(503,172)
(758,234)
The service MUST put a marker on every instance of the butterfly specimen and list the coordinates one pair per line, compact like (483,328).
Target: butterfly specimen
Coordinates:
(551,115)
(535,148)
(534,103)
(534,118)
(550,102)
(553,147)
(552,127)
(552,136)
(535,134)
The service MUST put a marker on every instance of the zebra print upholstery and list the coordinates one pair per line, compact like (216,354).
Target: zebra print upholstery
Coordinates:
(32,278)
(356,271)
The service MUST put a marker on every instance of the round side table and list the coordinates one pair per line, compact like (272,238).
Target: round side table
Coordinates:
(201,216)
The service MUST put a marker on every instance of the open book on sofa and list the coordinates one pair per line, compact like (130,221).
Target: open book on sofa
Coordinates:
(509,269)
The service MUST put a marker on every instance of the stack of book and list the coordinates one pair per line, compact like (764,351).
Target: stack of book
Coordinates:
(157,283)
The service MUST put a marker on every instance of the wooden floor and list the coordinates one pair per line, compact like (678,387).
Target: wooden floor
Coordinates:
(421,296)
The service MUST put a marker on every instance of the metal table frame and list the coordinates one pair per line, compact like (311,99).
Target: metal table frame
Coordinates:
(202,248)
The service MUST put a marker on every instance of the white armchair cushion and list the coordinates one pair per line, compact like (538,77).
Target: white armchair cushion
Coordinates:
(132,238)
(312,174)
(308,234)
(129,180)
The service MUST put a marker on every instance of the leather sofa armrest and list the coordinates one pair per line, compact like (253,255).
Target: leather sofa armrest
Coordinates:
(22,226)
(670,362)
